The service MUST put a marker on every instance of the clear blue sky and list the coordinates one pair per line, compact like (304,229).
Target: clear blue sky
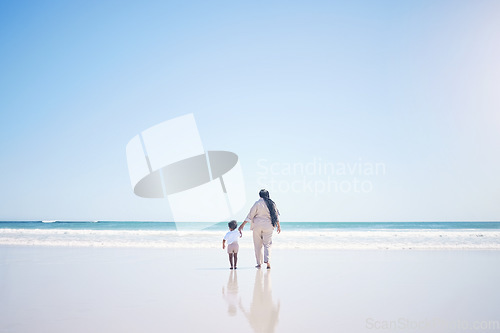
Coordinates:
(413,86)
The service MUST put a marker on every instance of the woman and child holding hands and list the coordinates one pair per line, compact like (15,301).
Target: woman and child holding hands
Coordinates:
(263,218)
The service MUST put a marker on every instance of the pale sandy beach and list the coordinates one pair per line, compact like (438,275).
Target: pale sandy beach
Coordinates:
(64,289)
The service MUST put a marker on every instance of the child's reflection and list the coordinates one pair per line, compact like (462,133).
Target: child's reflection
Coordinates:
(230,293)
(263,313)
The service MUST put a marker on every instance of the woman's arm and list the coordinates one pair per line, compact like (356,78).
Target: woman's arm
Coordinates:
(250,216)
(242,226)
(277,219)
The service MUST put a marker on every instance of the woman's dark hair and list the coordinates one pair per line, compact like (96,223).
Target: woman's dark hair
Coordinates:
(264,194)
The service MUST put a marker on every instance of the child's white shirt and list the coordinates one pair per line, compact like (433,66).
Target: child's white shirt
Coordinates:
(232,236)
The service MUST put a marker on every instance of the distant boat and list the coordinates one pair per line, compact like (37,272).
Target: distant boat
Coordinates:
(49,221)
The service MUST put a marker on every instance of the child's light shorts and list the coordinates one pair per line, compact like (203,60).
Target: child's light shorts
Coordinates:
(233,247)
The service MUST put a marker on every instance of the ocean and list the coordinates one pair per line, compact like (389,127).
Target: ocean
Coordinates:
(296,235)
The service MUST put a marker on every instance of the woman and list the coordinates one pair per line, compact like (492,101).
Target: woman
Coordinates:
(264,218)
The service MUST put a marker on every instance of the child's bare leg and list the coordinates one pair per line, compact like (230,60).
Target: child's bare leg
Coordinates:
(231,260)
(235,260)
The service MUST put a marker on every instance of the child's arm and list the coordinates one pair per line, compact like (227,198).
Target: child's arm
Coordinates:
(223,244)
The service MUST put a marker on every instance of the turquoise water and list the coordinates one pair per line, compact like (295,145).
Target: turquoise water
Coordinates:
(134,225)
(296,235)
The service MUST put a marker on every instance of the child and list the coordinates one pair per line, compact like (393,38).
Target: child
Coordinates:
(232,243)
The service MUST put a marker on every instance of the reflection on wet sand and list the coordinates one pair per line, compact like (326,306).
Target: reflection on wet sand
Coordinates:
(230,293)
(263,313)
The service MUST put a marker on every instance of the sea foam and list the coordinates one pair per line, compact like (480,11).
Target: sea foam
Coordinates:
(297,239)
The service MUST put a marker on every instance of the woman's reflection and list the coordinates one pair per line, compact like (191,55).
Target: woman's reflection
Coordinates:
(263,313)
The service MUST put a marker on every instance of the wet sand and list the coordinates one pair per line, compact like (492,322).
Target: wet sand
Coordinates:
(67,289)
